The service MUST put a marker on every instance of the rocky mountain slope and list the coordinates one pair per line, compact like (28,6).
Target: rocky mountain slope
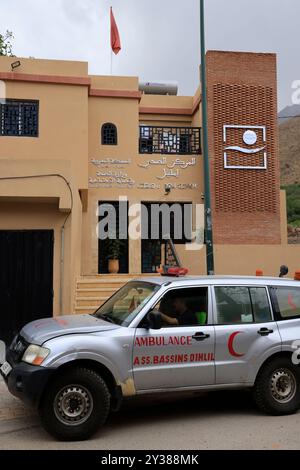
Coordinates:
(289,145)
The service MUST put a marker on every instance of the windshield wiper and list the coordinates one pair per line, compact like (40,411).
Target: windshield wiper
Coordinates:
(106,318)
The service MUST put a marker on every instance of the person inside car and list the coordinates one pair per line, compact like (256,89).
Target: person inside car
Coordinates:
(183,315)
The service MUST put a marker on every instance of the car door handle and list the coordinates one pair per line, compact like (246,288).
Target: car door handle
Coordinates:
(200,336)
(265,331)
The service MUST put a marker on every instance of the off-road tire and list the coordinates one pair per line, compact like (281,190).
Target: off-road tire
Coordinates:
(85,386)
(272,396)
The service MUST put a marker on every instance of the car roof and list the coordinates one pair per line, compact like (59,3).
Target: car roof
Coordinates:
(162,280)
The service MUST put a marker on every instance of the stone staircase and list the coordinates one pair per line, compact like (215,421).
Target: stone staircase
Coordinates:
(93,291)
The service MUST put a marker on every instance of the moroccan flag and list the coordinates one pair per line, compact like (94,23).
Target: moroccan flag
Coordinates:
(114,34)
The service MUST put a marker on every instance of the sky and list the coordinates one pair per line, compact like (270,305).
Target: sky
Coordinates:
(160,38)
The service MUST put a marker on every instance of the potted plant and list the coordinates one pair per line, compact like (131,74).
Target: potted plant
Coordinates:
(113,252)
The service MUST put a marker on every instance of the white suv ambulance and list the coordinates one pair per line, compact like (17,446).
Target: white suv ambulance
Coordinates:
(161,334)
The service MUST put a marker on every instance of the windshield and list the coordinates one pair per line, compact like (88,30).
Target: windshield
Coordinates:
(127,302)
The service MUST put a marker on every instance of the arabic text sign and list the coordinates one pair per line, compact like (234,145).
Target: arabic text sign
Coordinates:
(170,169)
(116,173)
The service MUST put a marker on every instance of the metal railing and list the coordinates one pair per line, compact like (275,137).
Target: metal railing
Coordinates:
(170,140)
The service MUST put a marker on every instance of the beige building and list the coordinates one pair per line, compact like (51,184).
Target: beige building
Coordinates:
(71,143)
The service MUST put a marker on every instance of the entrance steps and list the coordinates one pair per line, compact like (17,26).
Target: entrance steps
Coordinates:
(93,291)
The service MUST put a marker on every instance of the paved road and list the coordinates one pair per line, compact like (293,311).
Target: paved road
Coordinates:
(209,421)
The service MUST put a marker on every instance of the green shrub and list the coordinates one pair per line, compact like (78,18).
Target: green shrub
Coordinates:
(293,204)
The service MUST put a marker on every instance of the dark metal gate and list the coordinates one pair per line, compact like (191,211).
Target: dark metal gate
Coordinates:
(26,278)
(151,248)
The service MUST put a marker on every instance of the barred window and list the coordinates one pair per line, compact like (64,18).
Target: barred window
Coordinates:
(170,140)
(19,118)
(146,140)
(109,134)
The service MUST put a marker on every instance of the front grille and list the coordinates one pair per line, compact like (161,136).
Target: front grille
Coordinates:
(17,349)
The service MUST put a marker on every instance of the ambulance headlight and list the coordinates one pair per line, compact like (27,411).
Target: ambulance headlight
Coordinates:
(35,355)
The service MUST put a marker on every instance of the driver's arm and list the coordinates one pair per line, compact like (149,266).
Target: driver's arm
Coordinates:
(169,320)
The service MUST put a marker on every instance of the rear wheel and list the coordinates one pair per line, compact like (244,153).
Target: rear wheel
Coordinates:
(277,387)
(76,404)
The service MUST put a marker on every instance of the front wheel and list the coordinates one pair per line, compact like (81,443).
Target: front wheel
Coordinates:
(277,387)
(76,404)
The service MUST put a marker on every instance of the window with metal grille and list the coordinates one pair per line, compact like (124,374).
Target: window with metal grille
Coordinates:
(170,140)
(109,134)
(19,118)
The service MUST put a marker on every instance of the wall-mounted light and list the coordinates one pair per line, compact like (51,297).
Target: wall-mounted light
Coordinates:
(15,65)
(167,189)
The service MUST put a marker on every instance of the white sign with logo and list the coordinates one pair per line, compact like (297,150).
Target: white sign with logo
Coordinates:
(248,147)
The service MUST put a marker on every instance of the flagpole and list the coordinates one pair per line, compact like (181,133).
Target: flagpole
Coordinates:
(111,62)
(207,196)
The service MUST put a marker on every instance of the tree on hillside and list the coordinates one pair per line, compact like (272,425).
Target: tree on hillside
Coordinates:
(5,44)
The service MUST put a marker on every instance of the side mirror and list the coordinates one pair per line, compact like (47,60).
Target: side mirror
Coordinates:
(154,320)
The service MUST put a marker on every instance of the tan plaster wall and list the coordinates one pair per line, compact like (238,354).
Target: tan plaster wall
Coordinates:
(245,259)
(109,82)
(124,114)
(73,254)
(63,131)
(283,217)
(45,67)
(166,101)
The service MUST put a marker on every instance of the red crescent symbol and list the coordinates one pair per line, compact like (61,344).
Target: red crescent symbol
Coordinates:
(230,344)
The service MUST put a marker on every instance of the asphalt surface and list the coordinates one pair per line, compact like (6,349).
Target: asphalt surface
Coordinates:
(219,420)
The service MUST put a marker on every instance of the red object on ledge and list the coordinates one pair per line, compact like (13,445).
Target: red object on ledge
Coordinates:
(173,271)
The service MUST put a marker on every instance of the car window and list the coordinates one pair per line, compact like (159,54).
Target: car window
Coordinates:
(233,305)
(260,304)
(241,304)
(187,306)
(127,302)
(287,300)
